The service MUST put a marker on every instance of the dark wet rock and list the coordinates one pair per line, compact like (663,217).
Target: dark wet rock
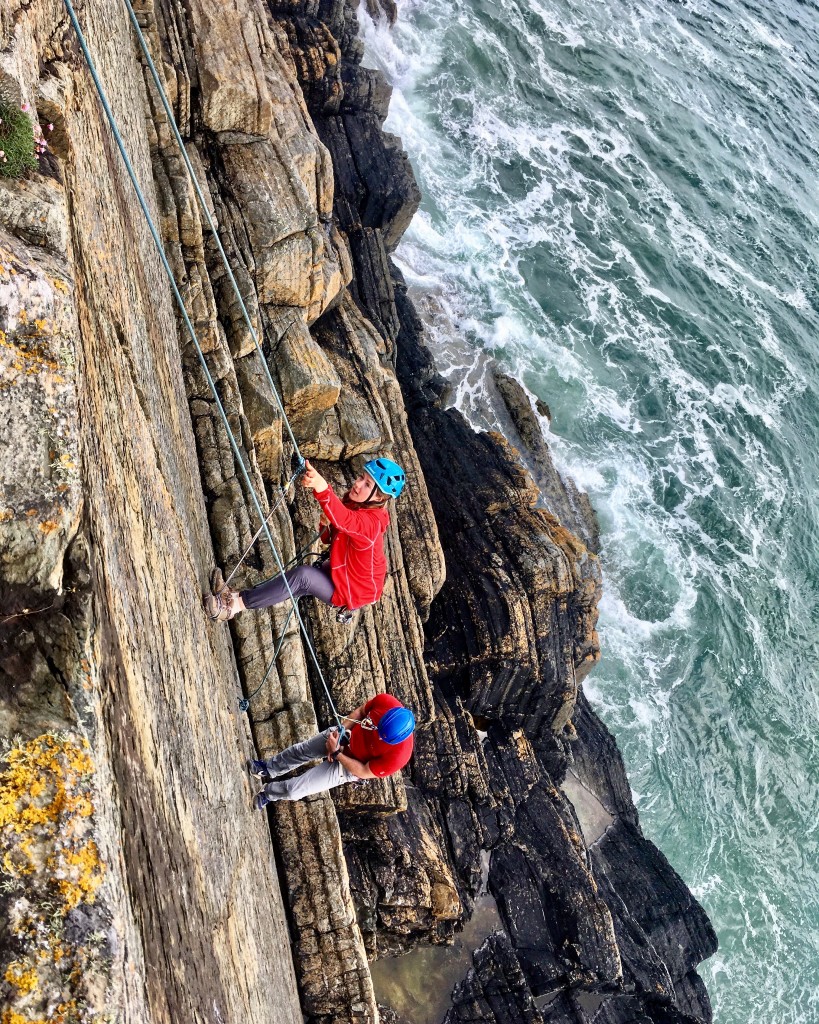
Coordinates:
(630,1010)
(514,626)
(541,878)
(495,989)
(664,932)
(599,764)
(404,888)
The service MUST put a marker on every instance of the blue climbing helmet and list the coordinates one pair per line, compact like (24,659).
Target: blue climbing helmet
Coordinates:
(396,724)
(388,475)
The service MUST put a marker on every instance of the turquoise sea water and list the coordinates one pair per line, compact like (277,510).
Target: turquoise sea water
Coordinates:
(621,207)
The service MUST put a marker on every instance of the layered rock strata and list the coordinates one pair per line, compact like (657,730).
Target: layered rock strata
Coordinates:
(140,885)
(106,548)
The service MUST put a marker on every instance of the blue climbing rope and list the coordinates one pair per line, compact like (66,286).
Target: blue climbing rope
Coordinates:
(244,702)
(267,519)
(175,289)
(204,206)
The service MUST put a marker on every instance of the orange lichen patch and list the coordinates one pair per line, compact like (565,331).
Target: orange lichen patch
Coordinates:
(49,526)
(31,354)
(5,515)
(22,977)
(86,875)
(65,1013)
(11,1017)
(52,864)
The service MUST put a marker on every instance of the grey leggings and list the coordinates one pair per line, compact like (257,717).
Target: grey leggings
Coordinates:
(304,580)
(326,775)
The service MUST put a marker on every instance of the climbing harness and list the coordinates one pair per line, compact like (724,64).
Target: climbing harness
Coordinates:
(184,313)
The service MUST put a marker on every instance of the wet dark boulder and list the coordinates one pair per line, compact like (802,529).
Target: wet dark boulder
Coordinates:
(495,990)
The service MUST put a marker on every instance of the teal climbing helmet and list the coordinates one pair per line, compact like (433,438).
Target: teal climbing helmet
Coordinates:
(396,725)
(388,475)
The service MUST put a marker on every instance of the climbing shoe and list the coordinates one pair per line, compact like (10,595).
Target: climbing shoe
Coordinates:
(220,604)
(220,607)
(260,801)
(258,769)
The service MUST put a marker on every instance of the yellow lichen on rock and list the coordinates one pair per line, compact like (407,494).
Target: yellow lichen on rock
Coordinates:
(51,867)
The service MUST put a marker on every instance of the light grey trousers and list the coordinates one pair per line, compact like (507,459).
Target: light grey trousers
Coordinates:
(326,775)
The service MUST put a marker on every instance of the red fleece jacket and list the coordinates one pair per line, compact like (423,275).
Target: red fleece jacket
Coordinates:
(366,745)
(357,562)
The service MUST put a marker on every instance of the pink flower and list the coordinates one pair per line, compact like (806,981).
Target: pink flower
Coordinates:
(51,127)
(24,106)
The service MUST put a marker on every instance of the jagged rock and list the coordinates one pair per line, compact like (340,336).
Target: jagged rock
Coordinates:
(229,47)
(599,764)
(403,884)
(264,419)
(495,989)
(540,877)
(562,1009)
(365,89)
(389,8)
(317,60)
(515,623)
(374,184)
(571,506)
(372,286)
(629,1010)
(360,423)
(307,381)
(663,919)
(274,198)
(34,212)
(41,501)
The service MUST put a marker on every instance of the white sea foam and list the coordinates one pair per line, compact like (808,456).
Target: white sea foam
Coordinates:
(767,36)
(592,255)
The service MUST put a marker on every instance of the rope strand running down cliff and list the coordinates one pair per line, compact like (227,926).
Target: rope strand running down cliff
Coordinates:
(204,207)
(211,384)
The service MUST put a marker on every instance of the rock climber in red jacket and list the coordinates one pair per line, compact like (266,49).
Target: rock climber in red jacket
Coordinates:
(355,528)
(378,743)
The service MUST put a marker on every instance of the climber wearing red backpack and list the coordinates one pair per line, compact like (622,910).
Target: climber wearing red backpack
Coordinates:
(354,526)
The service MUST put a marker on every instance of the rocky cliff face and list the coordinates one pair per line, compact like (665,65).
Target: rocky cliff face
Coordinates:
(138,885)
